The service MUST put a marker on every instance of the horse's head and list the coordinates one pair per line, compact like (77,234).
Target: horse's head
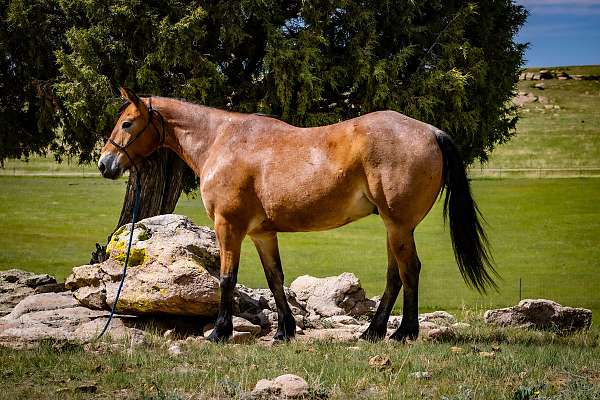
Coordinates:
(134,137)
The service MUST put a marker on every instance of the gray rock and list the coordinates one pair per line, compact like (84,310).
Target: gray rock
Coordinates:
(15,285)
(336,295)
(243,325)
(56,316)
(339,321)
(173,269)
(286,386)
(541,314)
(438,317)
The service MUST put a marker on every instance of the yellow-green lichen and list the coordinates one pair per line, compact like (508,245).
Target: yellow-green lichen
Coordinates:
(136,256)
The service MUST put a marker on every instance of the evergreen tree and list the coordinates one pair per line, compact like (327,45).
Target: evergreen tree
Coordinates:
(453,64)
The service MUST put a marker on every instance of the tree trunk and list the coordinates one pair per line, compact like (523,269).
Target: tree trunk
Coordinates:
(162,183)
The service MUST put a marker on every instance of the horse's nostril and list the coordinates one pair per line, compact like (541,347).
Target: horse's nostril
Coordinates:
(101,167)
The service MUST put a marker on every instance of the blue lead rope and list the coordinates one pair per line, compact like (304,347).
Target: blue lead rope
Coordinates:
(136,207)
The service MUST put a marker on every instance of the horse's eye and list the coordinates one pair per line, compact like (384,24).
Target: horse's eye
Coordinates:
(126,124)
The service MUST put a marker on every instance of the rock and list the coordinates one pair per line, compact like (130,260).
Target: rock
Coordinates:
(524,98)
(338,321)
(336,295)
(438,317)
(541,314)
(243,325)
(264,388)
(461,325)
(380,362)
(173,269)
(175,349)
(440,334)
(394,321)
(258,305)
(285,386)
(349,333)
(56,316)
(540,86)
(43,302)
(420,375)
(291,386)
(15,285)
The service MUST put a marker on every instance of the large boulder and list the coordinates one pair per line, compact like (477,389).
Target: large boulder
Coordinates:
(173,269)
(15,285)
(541,314)
(334,295)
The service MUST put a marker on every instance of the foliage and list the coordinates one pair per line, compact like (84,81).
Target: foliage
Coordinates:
(308,62)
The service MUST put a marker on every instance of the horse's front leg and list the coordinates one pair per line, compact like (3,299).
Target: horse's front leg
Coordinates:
(268,250)
(230,241)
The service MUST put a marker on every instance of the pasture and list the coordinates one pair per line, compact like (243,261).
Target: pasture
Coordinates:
(544,234)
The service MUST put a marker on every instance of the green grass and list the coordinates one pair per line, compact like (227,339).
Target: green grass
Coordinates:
(47,165)
(541,364)
(568,137)
(544,232)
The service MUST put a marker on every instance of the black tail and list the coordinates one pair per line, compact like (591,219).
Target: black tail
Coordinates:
(468,237)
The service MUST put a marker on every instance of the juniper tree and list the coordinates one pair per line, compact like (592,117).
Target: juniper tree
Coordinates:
(453,64)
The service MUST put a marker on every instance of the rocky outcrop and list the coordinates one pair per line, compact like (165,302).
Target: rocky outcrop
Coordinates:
(335,295)
(15,285)
(173,269)
(541,314)
(57,316)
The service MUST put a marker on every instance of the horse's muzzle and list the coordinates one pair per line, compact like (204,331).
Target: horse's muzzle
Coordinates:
(109,166)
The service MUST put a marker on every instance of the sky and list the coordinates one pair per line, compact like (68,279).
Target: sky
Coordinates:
(561,32)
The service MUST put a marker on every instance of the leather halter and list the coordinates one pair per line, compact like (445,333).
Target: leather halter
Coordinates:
(161,133)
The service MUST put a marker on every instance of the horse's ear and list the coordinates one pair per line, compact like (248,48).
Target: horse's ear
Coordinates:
(129,95)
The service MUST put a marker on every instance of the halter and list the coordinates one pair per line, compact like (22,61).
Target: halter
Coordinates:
(161,133)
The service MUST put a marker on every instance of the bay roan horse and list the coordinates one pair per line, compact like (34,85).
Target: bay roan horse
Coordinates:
(259,176)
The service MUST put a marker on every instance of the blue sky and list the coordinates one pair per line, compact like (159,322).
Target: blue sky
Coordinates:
(561,32)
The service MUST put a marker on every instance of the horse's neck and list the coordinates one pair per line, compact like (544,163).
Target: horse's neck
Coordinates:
(192,130)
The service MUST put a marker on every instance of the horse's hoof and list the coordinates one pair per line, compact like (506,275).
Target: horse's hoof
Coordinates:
(372,336)
(216,337)
(282,337)
(403,336)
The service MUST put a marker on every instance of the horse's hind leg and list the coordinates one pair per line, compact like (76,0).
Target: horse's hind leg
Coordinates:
(403,246)
(378,327)
(268,250)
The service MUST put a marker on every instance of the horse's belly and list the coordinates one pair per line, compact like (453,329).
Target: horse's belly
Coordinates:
(311,212)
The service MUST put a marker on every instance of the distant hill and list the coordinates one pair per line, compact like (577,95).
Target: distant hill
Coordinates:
(558,133)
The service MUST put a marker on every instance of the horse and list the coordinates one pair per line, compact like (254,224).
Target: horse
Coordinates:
(260,176)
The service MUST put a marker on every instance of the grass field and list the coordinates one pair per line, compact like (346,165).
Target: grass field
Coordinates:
(526,366)
(564,137)
(544,232)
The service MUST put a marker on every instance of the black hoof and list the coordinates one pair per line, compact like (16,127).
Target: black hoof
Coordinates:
(217,337)
(404,335)
(282,337)
(287,331)
(372,335)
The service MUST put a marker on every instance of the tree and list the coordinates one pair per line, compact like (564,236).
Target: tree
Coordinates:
(453,64)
